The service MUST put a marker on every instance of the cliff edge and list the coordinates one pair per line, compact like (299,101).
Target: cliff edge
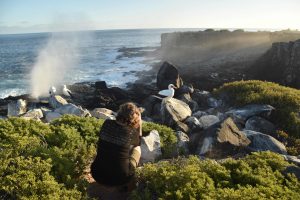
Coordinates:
(210,58)
(281,64)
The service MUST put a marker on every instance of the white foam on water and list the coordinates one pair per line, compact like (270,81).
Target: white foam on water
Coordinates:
(125,72)
(12,92)
(68,58)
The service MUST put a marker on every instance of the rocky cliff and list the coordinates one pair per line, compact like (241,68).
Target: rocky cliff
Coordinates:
(210,38)
(210,58)
(281,64)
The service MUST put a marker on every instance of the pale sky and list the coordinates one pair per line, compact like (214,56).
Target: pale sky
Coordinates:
(25,16)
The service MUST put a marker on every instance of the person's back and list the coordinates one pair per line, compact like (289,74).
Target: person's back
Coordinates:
(111,165)
(116,159)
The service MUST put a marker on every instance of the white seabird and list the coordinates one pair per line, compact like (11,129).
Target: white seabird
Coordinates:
(67,92)
(52,91)
(169,93)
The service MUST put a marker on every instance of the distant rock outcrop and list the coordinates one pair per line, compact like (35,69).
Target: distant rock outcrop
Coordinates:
(280,64)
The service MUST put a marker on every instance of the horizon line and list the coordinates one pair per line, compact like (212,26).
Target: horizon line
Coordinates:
(124,29)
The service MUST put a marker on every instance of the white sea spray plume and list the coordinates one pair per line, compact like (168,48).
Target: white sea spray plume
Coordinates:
(54,61)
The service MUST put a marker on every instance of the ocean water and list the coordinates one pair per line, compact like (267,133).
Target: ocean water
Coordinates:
(31,60)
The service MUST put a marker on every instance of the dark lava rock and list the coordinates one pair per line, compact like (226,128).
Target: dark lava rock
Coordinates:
(140,91)
(168,74)
(188,100)
(185,89)
(193,123)
(100,85)
(260,124)
(3,107)
(149,104)
(201,97)
(263,142)
(221,140)
(26,97)
(89,97)
(110,98)
(244,113)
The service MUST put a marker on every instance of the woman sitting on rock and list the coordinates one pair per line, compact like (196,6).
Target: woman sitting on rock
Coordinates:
(118,153)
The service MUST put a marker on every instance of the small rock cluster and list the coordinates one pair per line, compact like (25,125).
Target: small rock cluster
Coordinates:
(52,108)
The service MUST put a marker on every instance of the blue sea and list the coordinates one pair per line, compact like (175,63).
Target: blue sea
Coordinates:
(32,62)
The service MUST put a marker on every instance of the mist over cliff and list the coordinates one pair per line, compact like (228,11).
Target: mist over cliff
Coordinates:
(209,58)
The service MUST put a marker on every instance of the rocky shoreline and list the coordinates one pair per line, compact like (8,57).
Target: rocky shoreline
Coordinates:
(204,123)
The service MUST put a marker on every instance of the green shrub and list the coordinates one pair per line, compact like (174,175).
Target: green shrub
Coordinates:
(22,136)
(70,154)
(87,127)
(167,135)
(61,151)
(294,148)
(285,100)
(62,146)
(30,178)
(41,161)
(256,176)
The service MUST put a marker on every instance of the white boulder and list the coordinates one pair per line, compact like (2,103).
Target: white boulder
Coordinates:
(150,146)
(16,108)
(33,114)
(57,101)
(103,113)
(72,110)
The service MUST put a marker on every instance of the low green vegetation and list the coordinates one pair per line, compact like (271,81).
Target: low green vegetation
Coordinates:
(285,100)
(39,161)
(50,161)
(257,176)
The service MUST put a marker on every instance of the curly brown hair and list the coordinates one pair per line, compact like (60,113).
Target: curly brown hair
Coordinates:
(129,114)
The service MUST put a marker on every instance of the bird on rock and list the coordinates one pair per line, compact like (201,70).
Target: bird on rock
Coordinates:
(169,93)
(52,91)
(67,92)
